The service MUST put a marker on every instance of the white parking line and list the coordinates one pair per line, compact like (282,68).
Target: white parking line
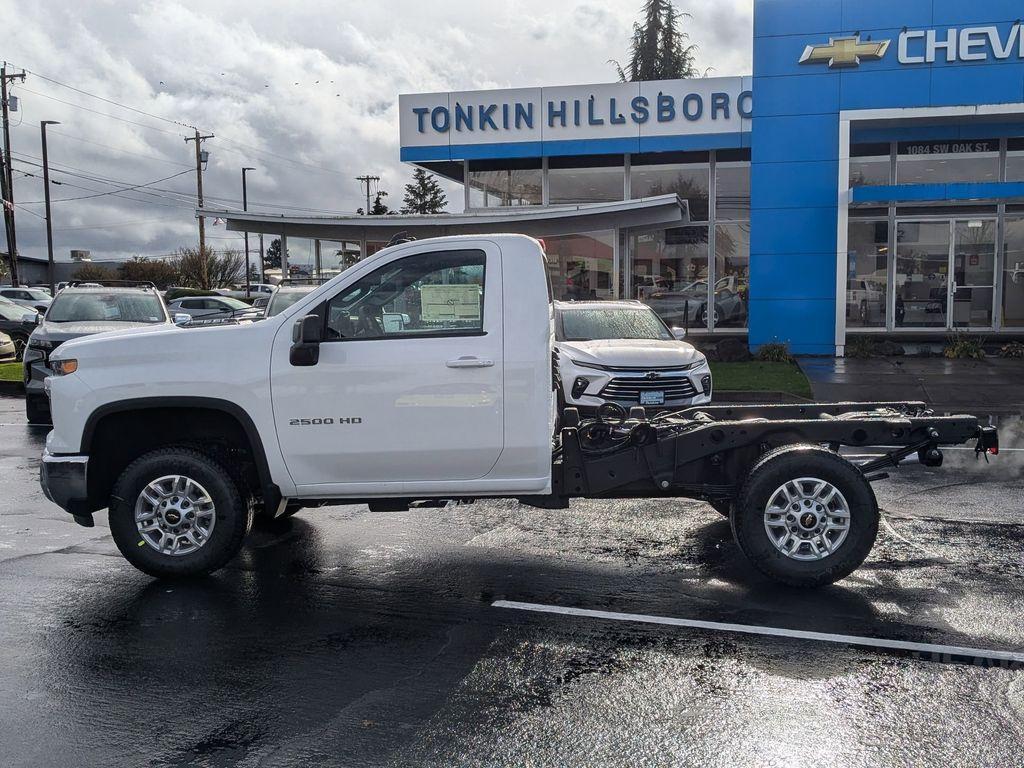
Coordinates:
(943,651)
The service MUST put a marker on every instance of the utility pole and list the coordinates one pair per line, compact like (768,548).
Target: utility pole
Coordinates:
(263,274)
(46,197)
(8,185)
(245,207)
(318,268)
(367,180)
(201,156)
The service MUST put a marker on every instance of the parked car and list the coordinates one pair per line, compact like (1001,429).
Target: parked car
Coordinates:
(8,352)
(287,293)
(687,303)
(83,310)
(255,289)
(214,308)
(33,298)
(622,352)
(18,322)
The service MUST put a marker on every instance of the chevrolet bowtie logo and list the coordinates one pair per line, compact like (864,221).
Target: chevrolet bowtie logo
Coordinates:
(845,52)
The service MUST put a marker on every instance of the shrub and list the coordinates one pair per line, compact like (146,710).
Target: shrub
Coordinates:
(776,352)
(964,348)
(861,347)
(1014,349)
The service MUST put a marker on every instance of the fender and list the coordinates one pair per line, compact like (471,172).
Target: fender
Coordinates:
(271,492)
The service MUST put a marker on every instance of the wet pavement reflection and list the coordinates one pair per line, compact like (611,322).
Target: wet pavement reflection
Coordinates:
(347,638)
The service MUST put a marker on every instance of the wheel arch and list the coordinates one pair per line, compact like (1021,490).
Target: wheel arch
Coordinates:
(141,408)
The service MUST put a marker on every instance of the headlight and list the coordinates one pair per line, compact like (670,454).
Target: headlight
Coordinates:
(41,344)
(699,362)
(64,367)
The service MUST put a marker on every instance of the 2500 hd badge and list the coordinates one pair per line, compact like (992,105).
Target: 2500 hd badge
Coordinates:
(324,422)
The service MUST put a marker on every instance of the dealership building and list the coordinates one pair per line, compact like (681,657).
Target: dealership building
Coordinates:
(868,178)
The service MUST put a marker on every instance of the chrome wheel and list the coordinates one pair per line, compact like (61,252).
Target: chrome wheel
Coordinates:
(807,519)
(175,515)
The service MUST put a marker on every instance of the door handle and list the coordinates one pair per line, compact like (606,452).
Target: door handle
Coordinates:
(470,362)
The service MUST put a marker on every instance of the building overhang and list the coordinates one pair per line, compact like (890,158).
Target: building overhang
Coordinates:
(538,221)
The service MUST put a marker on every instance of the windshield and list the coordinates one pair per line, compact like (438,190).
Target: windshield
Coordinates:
(10,311)
(106,308)
(284,299)
(234,303)
(611,323)
(38,295)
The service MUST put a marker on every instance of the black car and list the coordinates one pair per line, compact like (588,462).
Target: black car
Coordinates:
(18,322)
(82,310)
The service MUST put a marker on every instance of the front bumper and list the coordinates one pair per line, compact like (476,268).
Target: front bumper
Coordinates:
(64,480)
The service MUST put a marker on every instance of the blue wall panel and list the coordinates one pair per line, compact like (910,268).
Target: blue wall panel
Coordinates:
(978,84)
(795,138)
(808,325)
(866,15)
(794,17)
(964,13)
(885,89)
(798,95)
(797,275)
(794,185)
(792,230)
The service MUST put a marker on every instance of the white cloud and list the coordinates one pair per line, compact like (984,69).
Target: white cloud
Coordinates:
(313,82)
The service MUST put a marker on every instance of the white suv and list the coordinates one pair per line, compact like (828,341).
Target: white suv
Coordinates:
(621,352)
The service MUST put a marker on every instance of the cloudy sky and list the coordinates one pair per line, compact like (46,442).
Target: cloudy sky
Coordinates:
(305,91)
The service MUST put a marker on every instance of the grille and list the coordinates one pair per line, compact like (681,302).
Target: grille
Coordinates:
(674,387)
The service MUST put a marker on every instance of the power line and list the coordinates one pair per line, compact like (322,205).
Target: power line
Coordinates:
(67,135)
(102,194)
(102,114)
(109,101)
(115,225)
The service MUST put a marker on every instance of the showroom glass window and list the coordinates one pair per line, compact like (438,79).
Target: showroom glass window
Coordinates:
(670,274)
(731,289)
(581,266)
(947,162)
(505,183)
(732,184)
(870,165)
(686,174)
(1015,160)
(1013,272)
(428,294)
(868,273)
(590,179)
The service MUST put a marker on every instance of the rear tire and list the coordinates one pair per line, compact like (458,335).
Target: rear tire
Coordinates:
(797,534)
(202,511)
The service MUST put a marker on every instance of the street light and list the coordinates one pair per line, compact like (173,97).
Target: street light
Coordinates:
(245,207)
(46,197)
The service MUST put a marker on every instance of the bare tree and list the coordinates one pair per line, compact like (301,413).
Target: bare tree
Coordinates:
(206,269)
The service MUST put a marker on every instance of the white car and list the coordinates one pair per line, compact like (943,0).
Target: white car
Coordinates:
(214,308)
(33,298)
(621,352)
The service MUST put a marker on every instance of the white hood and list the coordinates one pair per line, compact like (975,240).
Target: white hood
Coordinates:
(630,353)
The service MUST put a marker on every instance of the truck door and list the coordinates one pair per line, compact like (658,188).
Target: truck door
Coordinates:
(408,388)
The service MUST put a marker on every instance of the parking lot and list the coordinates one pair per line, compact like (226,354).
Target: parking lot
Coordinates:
(348,638)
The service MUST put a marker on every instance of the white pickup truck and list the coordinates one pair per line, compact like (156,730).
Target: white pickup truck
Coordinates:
(424,375)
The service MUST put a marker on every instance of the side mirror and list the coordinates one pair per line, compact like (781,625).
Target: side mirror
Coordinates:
(679,333)
(307,333)
(180,318)
(33,318)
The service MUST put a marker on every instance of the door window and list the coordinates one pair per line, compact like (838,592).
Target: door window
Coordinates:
(922,274)
(429,294)
(974,273)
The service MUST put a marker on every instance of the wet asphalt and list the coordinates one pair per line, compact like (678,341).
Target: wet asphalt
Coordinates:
(348,638)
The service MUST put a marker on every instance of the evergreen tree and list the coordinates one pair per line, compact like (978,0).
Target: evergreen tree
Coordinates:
(272,256)
(660,49)
(424,194)
(378,208)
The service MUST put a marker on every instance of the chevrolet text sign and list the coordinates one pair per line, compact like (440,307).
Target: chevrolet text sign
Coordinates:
(923,46)
(967,44)
(578,112)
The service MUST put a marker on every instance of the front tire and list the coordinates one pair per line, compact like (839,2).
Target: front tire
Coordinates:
(176,513)
(806,517)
